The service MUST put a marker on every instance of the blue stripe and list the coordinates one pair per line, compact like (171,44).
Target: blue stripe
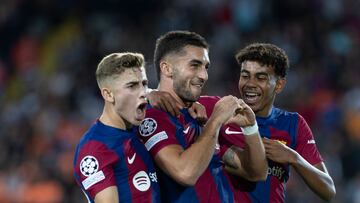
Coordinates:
(121,171)
(262,192)
(179,131)
(222,183)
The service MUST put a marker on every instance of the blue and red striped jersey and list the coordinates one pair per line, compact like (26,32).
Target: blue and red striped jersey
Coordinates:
(287,127)
(160,129)
(108,156)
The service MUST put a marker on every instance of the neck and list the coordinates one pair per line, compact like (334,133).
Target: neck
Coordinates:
(264,112)
(110,118)
(168,87)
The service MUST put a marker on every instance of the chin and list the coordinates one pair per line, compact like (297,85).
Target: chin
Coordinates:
(137,122)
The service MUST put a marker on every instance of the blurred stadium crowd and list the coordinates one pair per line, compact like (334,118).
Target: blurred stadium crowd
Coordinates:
(48,94)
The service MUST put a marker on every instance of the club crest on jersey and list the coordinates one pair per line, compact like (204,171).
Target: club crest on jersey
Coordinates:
(89,165)
(147,127)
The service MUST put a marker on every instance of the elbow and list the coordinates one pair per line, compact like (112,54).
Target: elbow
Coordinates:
(186,179)
(258,177)
(330,195)
(262,177)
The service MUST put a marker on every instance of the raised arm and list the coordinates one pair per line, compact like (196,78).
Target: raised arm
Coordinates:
(186,165)
(250,162)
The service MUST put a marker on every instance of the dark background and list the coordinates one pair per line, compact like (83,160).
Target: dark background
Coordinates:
(49,51)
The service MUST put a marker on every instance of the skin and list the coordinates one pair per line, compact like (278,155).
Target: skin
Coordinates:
(262,80)
(123,97)
(183,76)
(164,100)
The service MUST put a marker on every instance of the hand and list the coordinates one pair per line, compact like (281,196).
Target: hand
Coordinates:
(225,109)
(198,112)
(279,152)
(164,101)
(244,116)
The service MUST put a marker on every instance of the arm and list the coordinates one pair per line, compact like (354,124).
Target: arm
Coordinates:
(315,176)
(249,163)
(109,194)
(187,165)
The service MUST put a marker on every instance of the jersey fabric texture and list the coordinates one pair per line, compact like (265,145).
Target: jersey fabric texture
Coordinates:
(286,127)
(160,129)
(108,156)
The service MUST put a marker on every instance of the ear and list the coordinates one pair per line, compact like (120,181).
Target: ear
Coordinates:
(107,95)
(166,68)
(280,84)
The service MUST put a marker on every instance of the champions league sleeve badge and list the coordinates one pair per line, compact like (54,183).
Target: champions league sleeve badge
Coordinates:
(89,165)
(147,127)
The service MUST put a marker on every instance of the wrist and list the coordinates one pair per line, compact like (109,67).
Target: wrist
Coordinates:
(294,158)
(250,130)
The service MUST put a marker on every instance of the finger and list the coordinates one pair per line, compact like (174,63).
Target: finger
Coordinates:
(162,106)
(266,140)
(173,102)
(192,113)
(171,108)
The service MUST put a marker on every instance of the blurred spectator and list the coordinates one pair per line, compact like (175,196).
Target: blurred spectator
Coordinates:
(48,97)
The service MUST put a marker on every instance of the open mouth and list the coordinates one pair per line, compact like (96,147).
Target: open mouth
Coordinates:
(142,106)
(140,111)
(251,97)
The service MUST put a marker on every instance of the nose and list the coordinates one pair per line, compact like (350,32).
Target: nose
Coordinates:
(251,81)
(203,74)
(144,89)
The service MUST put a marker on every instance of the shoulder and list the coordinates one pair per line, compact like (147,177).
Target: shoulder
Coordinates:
(208,99)
(209,102)
(152,112)
(284,114)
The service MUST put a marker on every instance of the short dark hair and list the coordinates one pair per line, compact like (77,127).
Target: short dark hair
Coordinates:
(173,42)
(265,54)
(114,64)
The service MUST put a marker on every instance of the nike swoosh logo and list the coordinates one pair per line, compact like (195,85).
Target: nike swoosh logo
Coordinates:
(230,132)
(186,130)
(132,159)
(311,141)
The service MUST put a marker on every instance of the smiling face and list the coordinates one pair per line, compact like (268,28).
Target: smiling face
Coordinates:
(128,90)
(184,73)
(258,86)
(190,72)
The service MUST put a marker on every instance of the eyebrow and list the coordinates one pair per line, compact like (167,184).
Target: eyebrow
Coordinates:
(258,73)
(133,82)
(197,61)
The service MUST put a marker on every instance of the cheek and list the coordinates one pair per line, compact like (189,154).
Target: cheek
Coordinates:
(240,85)
(126,102)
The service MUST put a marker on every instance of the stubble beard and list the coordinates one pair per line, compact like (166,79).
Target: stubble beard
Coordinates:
(183,91)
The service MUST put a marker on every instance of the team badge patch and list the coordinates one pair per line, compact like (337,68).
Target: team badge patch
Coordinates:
(147,127)
(89,165)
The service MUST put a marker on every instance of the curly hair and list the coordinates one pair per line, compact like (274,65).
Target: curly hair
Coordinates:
(265,54)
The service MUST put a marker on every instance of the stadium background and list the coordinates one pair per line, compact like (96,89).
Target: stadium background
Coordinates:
(48,95)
